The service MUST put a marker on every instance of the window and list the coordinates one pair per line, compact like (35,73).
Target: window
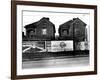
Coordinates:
(44,31)
(31,34)
(65,32)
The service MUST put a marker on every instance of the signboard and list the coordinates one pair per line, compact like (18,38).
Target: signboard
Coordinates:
(57,46)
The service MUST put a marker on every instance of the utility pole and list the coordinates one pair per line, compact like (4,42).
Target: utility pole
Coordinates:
(73,39)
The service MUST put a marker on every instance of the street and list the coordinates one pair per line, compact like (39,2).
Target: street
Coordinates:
(57,62)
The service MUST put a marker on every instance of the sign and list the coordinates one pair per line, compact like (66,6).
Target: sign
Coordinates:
(57,46)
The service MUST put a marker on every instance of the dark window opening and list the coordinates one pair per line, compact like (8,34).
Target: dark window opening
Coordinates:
(31,34)
(65,32)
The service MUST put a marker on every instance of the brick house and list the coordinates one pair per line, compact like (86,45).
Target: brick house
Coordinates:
(43,29)
(73,29)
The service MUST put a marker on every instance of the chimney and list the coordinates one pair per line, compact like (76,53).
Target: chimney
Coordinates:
(46,18)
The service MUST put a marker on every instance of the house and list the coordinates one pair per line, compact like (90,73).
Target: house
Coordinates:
(43,29)
(73,29)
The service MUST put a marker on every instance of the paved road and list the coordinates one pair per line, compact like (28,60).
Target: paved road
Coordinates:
(57,62)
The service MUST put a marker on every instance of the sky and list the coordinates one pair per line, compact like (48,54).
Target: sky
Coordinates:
(56,17)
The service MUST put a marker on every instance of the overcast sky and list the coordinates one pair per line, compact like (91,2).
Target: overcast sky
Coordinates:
(57,18)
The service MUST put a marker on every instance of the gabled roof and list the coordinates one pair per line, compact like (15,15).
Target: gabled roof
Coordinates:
(32,25)
(79,20)
(42,20)
(66,24)
(75,20)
